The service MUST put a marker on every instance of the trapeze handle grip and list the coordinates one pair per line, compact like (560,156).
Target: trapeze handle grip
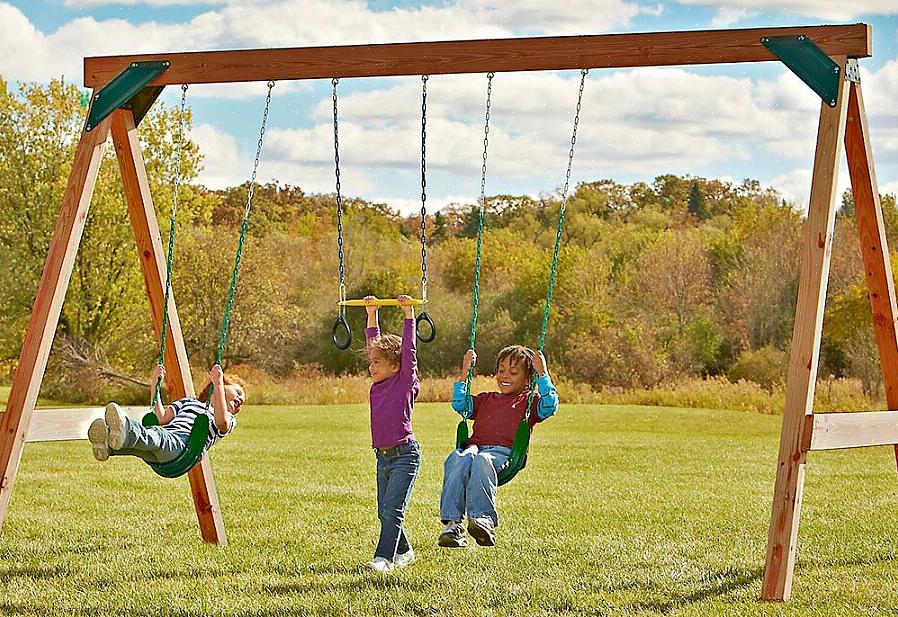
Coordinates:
(433,329)
(341,324)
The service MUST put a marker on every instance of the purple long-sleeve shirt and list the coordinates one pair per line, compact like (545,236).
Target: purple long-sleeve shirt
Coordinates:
(393,399)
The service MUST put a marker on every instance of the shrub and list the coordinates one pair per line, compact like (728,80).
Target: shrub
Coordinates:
(765,366)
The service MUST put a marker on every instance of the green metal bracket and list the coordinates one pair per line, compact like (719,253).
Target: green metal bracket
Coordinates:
(809,62)
(126,90)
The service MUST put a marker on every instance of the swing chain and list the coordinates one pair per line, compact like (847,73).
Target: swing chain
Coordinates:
(157,389)
(424,79)
(476,294)
(334,83)
(223,339)
(561,212)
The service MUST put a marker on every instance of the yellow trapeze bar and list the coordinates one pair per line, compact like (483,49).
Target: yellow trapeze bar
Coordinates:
(379,302)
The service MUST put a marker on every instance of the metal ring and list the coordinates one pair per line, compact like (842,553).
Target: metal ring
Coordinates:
(433,329)
(335,333)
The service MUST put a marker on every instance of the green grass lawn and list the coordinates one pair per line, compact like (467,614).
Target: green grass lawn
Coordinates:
(621,511)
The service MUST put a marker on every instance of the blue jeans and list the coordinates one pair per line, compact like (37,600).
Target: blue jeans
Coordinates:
(396,473)
(153,444)
(470,482)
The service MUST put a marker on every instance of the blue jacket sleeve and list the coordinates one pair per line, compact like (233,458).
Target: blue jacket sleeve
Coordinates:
(548,397)
(459,397)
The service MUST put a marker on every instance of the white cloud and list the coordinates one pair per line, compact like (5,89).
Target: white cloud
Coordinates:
(89,4)
(728,16)
(223,164)
(835,10)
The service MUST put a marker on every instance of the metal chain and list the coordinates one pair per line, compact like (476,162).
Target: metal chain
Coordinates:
(157,389)
(561,211)
(424,79)
(475,304)
(223,339)
(334,83)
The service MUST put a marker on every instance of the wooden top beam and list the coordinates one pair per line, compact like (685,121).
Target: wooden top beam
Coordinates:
(481,56)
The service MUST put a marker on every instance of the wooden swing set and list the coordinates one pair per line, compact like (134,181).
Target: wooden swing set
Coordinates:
(825,57)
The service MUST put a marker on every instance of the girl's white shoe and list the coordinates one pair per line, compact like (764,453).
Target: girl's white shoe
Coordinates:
(380,564)
(405,559)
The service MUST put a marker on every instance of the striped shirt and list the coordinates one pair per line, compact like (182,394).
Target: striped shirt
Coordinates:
(186,411)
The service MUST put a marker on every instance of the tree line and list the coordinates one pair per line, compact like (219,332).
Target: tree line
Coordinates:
(683,276)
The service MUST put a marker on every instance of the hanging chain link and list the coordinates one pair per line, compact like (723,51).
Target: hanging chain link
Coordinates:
(561,211)
(424,79)
(223,339)
(157,389)
(334,83)
(475,304)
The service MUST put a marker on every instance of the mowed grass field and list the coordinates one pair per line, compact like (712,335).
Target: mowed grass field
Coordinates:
(621,511)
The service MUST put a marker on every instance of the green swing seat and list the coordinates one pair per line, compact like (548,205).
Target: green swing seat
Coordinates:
(517,460)
(188,459)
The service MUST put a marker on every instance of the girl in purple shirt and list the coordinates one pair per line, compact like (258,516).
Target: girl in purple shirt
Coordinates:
(393,366)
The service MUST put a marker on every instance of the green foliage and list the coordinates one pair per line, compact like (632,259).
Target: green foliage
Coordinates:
(765,366)
(659,281)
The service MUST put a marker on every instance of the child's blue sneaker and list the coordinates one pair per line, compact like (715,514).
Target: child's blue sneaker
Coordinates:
(96,435)
(116,421)
(453,536)
(481,529)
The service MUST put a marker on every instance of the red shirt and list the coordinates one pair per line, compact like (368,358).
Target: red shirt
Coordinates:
(497,416)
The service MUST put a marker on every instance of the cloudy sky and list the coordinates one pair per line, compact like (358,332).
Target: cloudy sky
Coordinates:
(723,121)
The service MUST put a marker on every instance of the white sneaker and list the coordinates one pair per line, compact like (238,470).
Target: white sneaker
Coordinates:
(380,564)
(96,434)
(116,422)
(405,559)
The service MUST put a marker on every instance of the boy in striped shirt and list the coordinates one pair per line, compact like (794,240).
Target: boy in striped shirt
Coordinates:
(118,435)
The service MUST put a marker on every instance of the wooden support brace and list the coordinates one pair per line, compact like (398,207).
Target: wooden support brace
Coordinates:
(854,429)
(806,335)
(874,248)
(48,305)
(152,262)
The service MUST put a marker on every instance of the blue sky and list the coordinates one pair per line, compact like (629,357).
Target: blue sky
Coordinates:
(725,121)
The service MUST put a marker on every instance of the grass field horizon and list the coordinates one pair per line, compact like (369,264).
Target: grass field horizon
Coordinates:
(621,510)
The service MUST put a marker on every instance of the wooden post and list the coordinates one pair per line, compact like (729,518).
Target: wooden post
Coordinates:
(806,334)
(874,248)
(153,264)
(48,305)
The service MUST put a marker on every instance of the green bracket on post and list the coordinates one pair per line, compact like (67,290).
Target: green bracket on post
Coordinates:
(127,90)
(809,62)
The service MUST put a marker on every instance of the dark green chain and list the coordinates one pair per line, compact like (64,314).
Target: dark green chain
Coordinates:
(157,389)
(554,270)
(482,205)
(226,322)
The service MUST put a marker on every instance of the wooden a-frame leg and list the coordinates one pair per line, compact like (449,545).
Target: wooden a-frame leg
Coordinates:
(874,248)
(153,264)
(806,334)
(48,305)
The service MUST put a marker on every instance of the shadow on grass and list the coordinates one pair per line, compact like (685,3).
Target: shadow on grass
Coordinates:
(8,574)
(317,578)
(722,583)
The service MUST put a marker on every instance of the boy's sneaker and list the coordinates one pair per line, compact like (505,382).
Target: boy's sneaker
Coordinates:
(481,529)
(116,421)
(405,559)
(96,434)
(379,564)
(453,536)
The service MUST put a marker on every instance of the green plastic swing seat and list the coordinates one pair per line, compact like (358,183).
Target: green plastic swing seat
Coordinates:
(188,459)
(517,460)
